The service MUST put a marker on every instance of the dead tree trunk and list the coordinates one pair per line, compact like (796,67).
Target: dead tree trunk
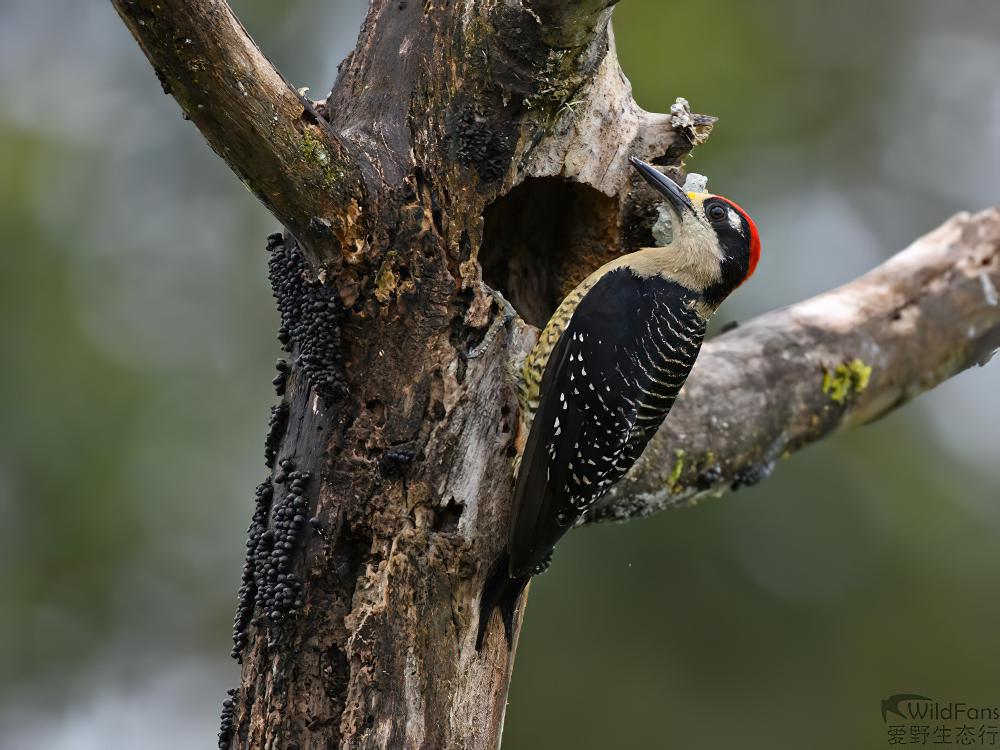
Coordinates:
(469,145)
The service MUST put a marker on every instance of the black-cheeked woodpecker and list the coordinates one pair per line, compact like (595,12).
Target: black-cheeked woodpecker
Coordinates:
(606,371)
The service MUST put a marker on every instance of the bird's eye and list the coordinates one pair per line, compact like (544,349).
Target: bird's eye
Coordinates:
(716,213)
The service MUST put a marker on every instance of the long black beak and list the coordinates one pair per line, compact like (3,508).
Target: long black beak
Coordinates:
(663,185)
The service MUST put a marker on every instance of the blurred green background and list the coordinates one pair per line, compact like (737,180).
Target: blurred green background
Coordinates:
(138,337)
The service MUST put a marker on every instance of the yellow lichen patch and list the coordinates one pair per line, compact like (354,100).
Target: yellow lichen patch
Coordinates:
(386,279)
(675,473)
(348,232)
(845,379)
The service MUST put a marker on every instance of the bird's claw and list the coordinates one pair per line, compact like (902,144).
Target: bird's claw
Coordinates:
(508,313)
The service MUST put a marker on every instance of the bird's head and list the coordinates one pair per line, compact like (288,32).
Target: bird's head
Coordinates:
(714,244)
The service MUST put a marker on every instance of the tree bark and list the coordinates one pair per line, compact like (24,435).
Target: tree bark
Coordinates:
(464,146)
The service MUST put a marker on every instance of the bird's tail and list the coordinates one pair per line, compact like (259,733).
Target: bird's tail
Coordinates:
(501,592)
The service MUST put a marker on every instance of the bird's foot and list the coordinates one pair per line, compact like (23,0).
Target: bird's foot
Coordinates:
(508,313)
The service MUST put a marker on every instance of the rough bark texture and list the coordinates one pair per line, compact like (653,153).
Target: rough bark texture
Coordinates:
(463,143)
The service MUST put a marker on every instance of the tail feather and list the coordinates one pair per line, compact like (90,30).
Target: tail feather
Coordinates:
(501,592)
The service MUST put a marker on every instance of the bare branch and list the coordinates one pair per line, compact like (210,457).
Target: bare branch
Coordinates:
(268,134)
(842,359)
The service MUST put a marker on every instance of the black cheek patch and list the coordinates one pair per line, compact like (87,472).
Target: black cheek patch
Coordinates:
(735,246)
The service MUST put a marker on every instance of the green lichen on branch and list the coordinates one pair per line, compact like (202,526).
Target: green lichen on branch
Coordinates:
(316,154)
(845,379)
(673,480)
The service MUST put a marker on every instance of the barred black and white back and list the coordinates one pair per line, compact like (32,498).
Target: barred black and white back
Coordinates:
(607,386)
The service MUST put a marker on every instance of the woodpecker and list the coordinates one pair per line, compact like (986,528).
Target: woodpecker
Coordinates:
(606,371)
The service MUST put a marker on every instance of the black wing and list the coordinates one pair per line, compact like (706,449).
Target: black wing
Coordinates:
(609,383)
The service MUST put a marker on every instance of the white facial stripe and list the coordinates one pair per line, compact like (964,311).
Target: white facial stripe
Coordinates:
(735,222)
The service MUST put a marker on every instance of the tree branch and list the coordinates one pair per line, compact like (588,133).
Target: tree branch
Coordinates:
(841,359)
(267,133)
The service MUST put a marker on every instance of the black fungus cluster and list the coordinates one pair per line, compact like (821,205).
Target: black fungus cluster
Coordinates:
(275,429)
(310,318)
(247,596)
(477,143)
(281,379)
(268,584)
(278,590)
(397,458)
(707,479)
(226,719)
(750,475)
